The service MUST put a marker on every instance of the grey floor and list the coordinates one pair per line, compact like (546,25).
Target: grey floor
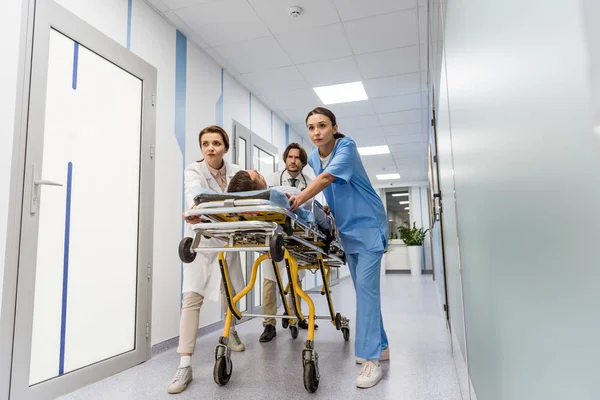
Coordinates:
(421,366)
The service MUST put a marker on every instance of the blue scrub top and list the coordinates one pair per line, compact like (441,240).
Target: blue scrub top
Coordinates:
(356,207)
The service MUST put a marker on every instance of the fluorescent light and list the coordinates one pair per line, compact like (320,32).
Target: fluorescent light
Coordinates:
(405,202)
(407,208)
(391,220)
(387,177)
(344,93)
(373,150)
(399,194)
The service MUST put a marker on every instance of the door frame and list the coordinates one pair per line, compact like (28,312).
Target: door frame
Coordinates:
(252,139)
(39,17)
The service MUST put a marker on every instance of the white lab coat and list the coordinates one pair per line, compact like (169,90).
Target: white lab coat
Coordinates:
(281,178)
(203,276)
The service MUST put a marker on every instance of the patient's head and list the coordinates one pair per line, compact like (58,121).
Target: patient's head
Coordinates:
(246,181)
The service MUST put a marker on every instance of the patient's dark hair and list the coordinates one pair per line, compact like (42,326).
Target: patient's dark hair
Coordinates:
(242,182)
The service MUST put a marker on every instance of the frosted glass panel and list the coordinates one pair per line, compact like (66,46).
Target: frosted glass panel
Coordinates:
(85,292)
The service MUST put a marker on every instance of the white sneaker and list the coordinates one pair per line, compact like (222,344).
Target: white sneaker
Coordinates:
(385,356)
(181,380)
(369,376)
(235,344)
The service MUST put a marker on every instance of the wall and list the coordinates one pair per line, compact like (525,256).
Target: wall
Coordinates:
(521,144)
(189,88)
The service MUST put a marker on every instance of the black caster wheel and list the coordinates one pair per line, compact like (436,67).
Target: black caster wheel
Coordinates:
(276,247)
(186,254)
(288,227)
(294,331)
(222,371)
(311,378)
(285,322)
(338,321)
(346,333)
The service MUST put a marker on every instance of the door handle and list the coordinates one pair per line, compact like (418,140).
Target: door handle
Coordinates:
(36,182)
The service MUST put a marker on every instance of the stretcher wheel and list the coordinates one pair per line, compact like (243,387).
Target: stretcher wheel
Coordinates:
(222,371)
(338,321)
(294,331)
(311,379)
(186,254)
(285,322)
(287,227)
(346,333)
(276,247)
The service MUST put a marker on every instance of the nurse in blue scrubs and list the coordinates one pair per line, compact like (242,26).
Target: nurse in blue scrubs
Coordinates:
(362,223)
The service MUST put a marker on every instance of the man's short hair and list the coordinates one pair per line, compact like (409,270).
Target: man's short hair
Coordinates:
(303,155)
(242,182)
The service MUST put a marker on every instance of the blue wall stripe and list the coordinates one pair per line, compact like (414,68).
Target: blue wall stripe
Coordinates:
(219,106)
(63,315)
(180,104)
(129,7)
(75,64)
(287,135)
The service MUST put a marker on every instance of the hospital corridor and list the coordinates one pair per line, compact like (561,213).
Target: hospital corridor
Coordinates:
(299,199)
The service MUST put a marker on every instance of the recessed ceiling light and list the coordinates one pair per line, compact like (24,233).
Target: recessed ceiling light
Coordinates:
(405,202)
(344,93)
(373,150)
(399,194)
(387,177)
(391,220)
(407,208)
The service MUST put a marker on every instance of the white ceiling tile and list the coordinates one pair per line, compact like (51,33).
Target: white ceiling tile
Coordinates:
(383,32)
(351,109)
(222,62)
(159,5)
(396,103)
(422,11)
(303,100)
(254,55)
(319,44)
(358,122)
(279,79)
(224,21)
(352,9)
(400,117)
(416,147)
(390,62)
(393,85)
(296,117)
(404,129)
(362,141)
(333,72)
(403,139)
(276,16)
(378,161)
(176,4)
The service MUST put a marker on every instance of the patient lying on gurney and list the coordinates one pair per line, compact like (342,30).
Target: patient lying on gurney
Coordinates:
(251,180)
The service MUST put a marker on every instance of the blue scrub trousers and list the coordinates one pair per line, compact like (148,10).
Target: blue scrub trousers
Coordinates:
(371,338)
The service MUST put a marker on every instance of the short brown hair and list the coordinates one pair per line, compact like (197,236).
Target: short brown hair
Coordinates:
(303,155)
(242,182)
(215,129)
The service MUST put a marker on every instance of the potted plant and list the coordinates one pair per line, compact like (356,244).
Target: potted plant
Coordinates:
(413,237)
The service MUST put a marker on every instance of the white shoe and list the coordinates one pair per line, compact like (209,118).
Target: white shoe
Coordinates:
(181,380)
(369,376)
(235,344)
(385,356)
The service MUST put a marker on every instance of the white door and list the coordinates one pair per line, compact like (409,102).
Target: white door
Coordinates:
(86,225)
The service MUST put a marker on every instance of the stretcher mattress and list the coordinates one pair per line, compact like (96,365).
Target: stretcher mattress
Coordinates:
(308,213)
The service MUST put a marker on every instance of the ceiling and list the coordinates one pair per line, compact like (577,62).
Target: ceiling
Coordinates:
(382,43)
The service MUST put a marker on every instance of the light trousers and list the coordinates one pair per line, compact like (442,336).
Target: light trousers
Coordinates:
(371,338)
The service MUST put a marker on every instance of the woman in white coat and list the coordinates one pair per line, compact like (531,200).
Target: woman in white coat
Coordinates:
(202,278)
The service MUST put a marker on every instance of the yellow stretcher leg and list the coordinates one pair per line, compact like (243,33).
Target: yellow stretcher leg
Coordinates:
(241,294)
(326,273)
(298,290)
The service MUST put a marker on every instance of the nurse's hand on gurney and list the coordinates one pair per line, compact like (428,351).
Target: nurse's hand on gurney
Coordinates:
(192,219)
(315,187)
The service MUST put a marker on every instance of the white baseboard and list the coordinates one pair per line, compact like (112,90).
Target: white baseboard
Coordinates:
(464,380)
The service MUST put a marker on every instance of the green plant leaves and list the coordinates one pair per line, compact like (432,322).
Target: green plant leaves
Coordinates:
(412,236)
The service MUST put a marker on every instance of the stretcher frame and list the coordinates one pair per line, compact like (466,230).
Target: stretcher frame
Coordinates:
(282,239)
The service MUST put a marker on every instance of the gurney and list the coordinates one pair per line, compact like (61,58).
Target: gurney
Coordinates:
(261,221)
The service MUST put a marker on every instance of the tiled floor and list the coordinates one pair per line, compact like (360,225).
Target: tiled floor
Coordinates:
(421,366)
